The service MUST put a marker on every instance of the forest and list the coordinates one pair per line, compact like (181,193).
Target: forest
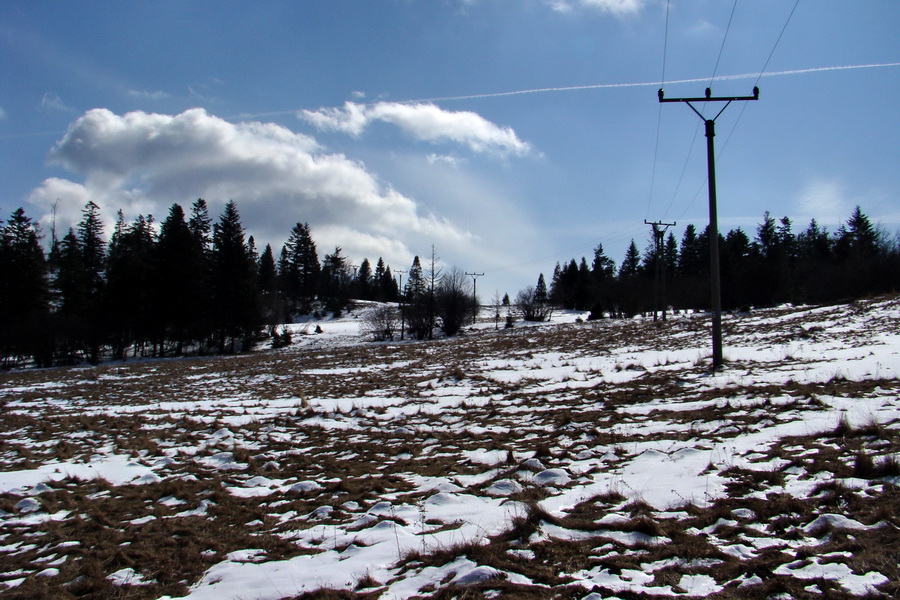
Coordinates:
(776,267)
(189,285)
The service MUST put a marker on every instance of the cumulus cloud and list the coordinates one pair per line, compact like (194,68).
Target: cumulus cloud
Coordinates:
(424,122)
(143,163)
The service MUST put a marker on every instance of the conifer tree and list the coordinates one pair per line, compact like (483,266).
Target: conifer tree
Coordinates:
(300,270)
(24,296)
(364,280)
(335,282)
(631,264)
(200,224)
(233,282)
(270,300)
(181,275)
(130,311)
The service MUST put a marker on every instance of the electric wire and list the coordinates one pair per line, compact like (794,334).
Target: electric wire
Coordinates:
(765,66)
(722,47)
(762,71)
(662,84)
(702,109)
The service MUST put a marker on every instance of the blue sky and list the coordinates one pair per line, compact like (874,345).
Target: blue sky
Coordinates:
(510,134)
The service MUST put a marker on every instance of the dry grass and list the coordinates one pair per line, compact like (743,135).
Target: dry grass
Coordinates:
(267,410)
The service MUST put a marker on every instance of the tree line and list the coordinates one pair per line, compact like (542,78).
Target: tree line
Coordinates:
(777,266)
(188,285)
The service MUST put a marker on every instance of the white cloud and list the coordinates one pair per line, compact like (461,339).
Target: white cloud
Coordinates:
(2,114)
(614,7)
(424,122)
(143,163)
(826,201)
(143,94)
(52,101)
(440,159)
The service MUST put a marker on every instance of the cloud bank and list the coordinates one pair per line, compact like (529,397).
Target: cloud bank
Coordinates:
(143,163)
(423,122)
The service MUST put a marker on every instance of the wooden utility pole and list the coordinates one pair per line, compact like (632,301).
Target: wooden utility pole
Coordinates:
(474,276)
(402,314)
(659,232)
(714,276)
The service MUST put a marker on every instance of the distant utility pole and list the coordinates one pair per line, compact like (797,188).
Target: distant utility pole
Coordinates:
(402,315)
(474,276)
(659,232)
(715,278)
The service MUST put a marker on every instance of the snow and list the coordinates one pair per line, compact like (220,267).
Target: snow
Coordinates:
(553,424)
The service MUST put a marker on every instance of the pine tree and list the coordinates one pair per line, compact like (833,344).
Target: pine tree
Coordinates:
(300,270)
(862,235)
(90,241)
(24,296)
(130,311)
(813,242)
(71,286)
(540,291)
(690,259)
(234,305)
(603,268)
(415,304)
(270,300)
(631,264)
(364,280)
(334,287)
(181,278)
(200,224)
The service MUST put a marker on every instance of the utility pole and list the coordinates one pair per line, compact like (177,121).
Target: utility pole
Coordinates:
(474,276)
(714,276)
(402,315)
(658,235)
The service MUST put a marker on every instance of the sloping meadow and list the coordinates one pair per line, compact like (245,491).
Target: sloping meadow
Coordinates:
(568,460)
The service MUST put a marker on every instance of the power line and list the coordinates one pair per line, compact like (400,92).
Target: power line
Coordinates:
(722,47)
(662,83)
(777,41)
(598,86)
(744,106)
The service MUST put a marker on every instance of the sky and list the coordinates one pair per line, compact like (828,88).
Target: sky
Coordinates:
(507,135)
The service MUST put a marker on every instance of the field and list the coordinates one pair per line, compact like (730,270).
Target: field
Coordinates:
(581,460)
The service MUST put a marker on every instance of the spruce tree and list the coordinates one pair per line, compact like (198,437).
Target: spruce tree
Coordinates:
(24,296)
(364,280)
(631,264)
(335,282)
(181,276)
(234,304)
(130,311)
(300,270)
(270,300)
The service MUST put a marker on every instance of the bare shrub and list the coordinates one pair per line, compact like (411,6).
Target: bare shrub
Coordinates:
(532,306)
(381,323)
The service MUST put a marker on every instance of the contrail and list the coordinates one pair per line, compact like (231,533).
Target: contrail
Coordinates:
(595,86)
(601,86)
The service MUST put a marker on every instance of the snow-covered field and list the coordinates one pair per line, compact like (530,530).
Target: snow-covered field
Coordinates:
(567,460)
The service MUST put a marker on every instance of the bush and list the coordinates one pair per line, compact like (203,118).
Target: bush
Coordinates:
(533,307)
(381,323)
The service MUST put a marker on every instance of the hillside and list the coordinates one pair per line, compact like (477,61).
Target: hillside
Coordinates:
(567,460)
